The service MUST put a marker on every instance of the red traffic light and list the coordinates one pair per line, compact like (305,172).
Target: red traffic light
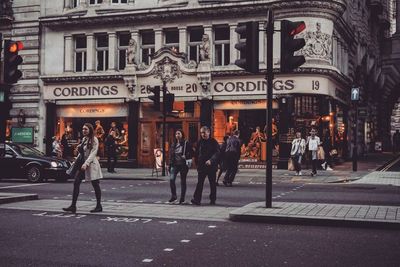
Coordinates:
(301,26)
(15,47)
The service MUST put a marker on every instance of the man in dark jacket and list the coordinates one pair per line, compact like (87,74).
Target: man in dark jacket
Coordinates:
(232,155)
(111,149)
(206,157)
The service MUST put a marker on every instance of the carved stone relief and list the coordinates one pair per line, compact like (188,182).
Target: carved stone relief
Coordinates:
(318,44)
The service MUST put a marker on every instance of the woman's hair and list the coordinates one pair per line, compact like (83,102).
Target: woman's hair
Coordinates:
(181,131)
(90,135)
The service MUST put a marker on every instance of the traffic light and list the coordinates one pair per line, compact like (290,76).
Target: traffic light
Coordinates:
(11,61)
(248,48)
(155,97)
(289,45)
(169,102)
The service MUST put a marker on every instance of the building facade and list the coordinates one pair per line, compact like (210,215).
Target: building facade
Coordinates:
(99,58)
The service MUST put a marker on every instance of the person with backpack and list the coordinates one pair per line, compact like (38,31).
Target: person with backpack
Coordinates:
(179,152)
(232,155)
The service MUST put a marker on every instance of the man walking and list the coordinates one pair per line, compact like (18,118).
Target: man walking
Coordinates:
(111,148)
(313,142)
(232,155)
(396,142)
(206,158)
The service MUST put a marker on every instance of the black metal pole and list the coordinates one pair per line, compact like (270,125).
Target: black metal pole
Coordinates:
(269,77)
(355,149)
(164,127)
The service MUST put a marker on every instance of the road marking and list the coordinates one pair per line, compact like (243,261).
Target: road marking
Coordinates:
(22,185)
(147,260)
(185,241)
(212,226)
(168,249)
(169,222)
(199,233)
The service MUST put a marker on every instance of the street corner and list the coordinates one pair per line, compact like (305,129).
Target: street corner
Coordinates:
(16,197)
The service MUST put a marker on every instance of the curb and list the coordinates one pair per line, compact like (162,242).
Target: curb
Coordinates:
(15,197)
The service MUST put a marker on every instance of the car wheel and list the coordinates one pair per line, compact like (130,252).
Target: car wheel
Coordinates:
(34,174)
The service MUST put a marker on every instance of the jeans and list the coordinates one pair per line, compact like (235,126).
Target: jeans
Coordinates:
(183,170)
(200,182)
(297,162)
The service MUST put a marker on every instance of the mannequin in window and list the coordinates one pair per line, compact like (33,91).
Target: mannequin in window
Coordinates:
(231,126)
(254,146)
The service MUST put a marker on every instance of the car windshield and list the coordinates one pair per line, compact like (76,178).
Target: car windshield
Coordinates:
(25,150)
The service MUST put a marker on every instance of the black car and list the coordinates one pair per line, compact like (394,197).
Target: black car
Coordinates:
(23,161)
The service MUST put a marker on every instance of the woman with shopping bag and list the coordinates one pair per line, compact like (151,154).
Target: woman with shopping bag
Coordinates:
(297,151)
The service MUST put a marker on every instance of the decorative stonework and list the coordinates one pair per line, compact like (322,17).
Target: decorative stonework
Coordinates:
(167,70)
(318,44)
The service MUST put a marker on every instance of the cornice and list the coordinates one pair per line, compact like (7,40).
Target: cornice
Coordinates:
(328,9)
(80,78)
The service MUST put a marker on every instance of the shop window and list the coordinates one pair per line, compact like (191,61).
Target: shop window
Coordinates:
(119,1)
(123,42)
(171,37)
(80,53)
(102,52)
(195,37)
(147,46)
(305,106)
(221,46)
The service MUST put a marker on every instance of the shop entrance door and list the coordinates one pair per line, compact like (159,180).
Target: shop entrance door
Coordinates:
(249,120)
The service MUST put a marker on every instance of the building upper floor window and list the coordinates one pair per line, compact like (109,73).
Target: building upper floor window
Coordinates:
(102,52)
(74,3)
(195,37)
(95,2)
(171,38)
(123,43)
(221,45)
(119,1)
(147,45)
(80,53)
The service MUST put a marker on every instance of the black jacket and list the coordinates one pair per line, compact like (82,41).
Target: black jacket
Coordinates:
(188,152)
(207,149)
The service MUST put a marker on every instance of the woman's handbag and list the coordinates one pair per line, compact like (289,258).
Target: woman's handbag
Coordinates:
(320,153)
(77,164)
(188,161)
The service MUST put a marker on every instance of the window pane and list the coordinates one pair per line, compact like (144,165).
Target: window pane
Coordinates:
(148,37)
(193,53)
(80,42)
(124,39)
(218,55)
(115,1)
(124,1)
(99,1)
(102,41)
(92,2)
(196,34)
(100,61)
(122,59)
(145,56)
(78,62)
(221,33)
(171,36)
(226,55)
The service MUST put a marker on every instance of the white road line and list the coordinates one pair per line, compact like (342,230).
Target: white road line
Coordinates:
(185,241)
(212,226)
(199,233)
(147,260)
(168,249)
(22,185)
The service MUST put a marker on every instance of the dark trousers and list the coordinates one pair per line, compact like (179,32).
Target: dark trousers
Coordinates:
(77,183)
(231,166)
(297,162)
(183,171)
(111,165)
(211,174)
(314,163)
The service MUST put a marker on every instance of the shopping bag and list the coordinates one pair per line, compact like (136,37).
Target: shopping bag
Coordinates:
(333,152)
(291,165)
(320,153)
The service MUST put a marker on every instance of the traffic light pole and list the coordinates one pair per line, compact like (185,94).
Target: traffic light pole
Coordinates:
(164,127)
(355,147)
(269,77)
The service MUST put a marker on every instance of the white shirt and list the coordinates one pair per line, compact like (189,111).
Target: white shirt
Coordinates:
(313,143)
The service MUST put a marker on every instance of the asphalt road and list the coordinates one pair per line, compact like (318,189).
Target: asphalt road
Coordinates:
(394,166)
(143,191)
(56,239)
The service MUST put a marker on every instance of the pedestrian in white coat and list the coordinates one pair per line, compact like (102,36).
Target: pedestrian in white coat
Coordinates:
(297,151)
(90,170)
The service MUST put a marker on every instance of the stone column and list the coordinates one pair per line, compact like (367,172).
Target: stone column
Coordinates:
(339,55)
(68,54)
(398,16)
(158,39)
(234,38)
(261,42)
(182,40)
(334,51)
(112,50)
(346,60)
(90,52)
(208,31)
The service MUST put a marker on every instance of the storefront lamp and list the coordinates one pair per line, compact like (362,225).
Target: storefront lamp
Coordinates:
(21,117)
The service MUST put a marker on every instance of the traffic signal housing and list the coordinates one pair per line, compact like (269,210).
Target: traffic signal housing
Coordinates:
(249,47)
(155,97)
(11,61)
(289,45)
(169,102)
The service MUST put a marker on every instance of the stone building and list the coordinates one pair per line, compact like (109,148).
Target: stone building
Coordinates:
(98,58)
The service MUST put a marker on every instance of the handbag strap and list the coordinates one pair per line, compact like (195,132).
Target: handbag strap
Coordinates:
(184,149)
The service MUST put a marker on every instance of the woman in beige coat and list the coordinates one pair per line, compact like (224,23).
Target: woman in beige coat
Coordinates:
(90,170)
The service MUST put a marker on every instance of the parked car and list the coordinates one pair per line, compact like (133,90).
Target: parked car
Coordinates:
(23,161)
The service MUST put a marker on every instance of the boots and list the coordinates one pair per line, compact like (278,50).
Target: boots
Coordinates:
(70,209)
(98,208)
